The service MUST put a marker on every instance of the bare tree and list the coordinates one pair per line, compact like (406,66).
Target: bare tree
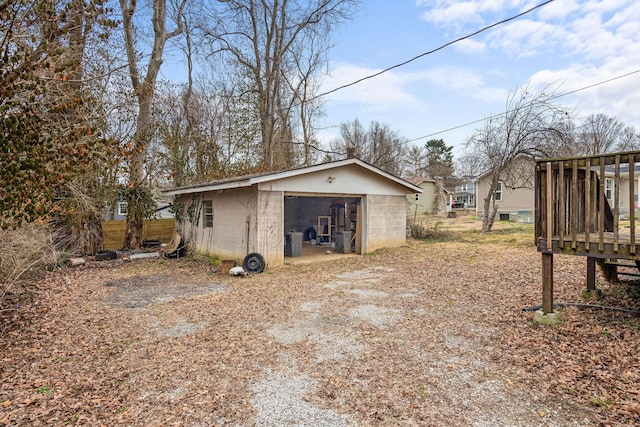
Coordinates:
(469,165)
(596,134)
(379,146)
(307,60)
(600,133)
(415,162)
(144,88)
(629,139)
(264,38)
(523,131)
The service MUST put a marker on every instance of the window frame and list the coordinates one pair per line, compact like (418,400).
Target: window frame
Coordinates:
(207,213)
(123,208)
(608,188)
(497,195)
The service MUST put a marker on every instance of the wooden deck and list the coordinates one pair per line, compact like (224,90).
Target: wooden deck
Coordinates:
(607,246)
(581,206)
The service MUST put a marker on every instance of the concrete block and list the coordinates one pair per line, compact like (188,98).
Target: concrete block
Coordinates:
(591,293)
(548,318)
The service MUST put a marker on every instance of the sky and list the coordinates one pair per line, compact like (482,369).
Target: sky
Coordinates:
(572,45)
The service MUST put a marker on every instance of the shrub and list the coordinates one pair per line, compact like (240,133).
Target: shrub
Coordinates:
(24,253)
(429,232)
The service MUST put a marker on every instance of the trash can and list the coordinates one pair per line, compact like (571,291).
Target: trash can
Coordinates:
(293,244)
(343,242)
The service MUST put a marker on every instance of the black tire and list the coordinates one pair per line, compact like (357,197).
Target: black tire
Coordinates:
(253,263)
(106,255)
(309,234)
(151,243)
(180,252)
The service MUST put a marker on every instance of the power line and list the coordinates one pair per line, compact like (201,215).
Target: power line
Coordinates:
(432,51)
(596,84)
(510,111)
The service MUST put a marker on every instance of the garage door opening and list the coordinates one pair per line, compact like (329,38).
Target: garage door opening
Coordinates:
(321,225)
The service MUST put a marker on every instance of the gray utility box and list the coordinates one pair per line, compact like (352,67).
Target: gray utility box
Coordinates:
(293,244)
(343,242)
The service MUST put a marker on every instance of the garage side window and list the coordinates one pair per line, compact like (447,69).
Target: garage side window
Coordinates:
(207,213)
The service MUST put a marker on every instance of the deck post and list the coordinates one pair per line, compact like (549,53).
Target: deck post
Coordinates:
(591,273)
(547,283)
(590,291)
(546,315)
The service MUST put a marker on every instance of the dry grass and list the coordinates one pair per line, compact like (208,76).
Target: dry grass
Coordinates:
(24,253)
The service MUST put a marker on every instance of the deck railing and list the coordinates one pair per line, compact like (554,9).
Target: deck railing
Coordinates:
(580,203)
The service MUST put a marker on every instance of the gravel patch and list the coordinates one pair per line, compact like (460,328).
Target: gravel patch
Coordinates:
(368,293)
(330,336)
(142,291)
(281,400)
(181,328)
(375,315)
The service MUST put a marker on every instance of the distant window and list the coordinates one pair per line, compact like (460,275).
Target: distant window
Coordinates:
(608,188)
(207,213)
(123,208)
(498,193)
(463,187)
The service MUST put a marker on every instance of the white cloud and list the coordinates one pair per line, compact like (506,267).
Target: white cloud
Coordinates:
(558,10)
(387,91)
(526,38)
(614,97)
(471,46)
(594,29)
(460,13)
(466,83)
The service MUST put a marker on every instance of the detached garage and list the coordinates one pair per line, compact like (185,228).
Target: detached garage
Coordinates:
(348,206)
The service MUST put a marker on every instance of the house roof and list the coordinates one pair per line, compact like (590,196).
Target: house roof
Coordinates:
(417,180)
(249,180)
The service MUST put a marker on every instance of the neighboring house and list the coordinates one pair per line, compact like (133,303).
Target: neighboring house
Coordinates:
(515,194)
(432,200)
(119,210)
(624,199)
(465,192)
(232,218)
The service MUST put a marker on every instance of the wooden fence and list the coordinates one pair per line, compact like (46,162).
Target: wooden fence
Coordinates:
(154,229)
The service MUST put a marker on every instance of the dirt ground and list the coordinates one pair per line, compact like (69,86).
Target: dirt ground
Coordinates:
(431,334)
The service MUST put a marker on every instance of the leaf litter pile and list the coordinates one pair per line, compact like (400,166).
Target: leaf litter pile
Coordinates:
(433,333)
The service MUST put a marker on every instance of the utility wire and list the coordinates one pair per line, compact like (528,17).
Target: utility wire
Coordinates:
(510,111)
(432,51)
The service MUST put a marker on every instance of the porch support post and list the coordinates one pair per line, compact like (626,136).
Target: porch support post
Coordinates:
(590,291)
(591,274)
(547,283)
(546,315)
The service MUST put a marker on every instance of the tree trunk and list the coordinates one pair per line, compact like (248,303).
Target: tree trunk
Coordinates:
(490,211)
(145,91)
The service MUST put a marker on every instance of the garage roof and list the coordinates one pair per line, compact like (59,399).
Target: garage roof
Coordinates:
(247,181)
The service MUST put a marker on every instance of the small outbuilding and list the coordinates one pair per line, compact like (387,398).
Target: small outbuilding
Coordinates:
(347,206)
